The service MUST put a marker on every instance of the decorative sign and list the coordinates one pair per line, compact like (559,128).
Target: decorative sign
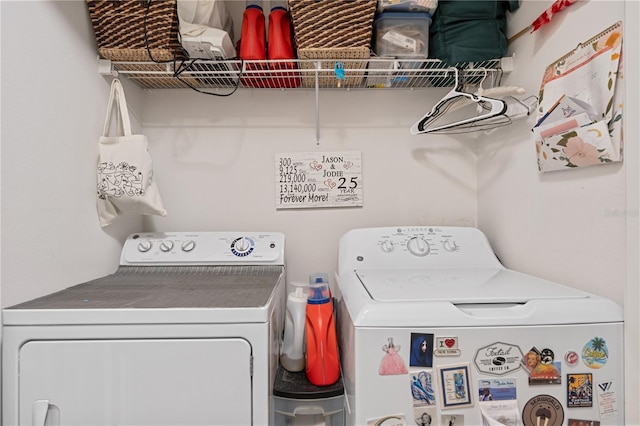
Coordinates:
(498,358)
(318,179)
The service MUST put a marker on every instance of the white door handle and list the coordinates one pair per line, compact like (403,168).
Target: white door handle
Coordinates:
(39,412)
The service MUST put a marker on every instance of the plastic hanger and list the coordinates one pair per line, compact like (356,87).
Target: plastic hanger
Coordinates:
(461,112)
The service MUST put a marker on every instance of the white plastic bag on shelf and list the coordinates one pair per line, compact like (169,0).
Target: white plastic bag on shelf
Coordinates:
(195,16)
(206,29)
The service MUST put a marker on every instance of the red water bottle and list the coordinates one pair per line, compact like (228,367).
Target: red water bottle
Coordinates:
(323,359)
(280,48)
(252,45)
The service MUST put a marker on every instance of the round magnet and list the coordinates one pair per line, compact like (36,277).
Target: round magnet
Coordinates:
(571,358)
(542,410)
(595,353)
(546,356)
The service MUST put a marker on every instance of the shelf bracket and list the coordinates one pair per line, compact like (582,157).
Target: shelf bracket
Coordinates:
(106,68)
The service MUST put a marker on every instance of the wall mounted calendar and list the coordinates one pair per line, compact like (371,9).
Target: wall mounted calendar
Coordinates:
(318,179)
(579,110)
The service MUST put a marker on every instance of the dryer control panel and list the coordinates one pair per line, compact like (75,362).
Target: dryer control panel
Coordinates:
(203,248)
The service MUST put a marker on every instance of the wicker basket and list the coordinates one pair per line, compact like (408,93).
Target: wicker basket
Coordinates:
(120,26)
(332,23)
(354,59)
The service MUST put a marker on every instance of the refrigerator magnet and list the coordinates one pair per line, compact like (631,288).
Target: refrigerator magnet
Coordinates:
(391,363)
(542,410)
(454,383)
(595,353)
(421,350)
(425,416)
(582,422)
(579,390)
(452,420)
(422,389)
(446,346)
(571,358)
(498,358)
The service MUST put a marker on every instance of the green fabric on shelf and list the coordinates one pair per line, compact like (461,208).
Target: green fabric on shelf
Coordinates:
(470,30)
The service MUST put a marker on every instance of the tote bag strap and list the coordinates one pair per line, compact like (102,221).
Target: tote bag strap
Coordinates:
(117,95)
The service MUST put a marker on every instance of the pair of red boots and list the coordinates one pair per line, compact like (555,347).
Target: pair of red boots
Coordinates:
(253,47)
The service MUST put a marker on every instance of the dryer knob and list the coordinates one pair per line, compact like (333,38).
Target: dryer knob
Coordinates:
(189,245)
(418,246)
(144,246)
(166,245)
(387,246)
(241,245)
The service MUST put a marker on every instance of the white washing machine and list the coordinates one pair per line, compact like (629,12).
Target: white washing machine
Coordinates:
(185,332)
(434,330)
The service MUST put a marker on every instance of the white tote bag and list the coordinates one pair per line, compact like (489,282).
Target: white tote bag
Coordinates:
(126,185)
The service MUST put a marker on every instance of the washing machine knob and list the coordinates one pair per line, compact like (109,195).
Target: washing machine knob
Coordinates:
(418,246)
(189,245)
(166,245)
(450,245)
(144,246)
(387,246)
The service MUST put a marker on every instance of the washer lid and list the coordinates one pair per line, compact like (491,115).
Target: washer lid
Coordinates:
(472,285)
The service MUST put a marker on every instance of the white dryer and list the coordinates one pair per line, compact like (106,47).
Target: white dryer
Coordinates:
(185,332)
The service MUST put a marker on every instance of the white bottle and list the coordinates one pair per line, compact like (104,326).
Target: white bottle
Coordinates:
(292,355)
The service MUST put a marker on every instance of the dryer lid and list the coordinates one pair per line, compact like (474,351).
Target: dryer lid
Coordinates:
(463,285)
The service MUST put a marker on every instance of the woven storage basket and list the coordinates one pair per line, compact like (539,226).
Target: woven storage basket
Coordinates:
(333,30)
(355,58)
(119,26)
(332,23)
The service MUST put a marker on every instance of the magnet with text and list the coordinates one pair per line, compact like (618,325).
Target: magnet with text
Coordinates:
(571,358)
(454,381)
(446,346)
(542,410)
(595,353)
(607,400)
(392,363)
(498,358)
(542,373)
(579,390)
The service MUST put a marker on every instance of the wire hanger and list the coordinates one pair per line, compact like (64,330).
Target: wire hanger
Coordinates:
(461,112)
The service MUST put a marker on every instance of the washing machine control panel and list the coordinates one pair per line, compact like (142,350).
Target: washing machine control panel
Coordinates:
(416,246)
(203,248)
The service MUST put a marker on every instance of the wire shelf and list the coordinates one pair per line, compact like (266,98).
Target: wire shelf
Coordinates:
(373,73)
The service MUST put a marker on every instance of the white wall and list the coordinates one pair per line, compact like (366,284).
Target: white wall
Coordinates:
(558,225)
(215,165)
(53,108)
